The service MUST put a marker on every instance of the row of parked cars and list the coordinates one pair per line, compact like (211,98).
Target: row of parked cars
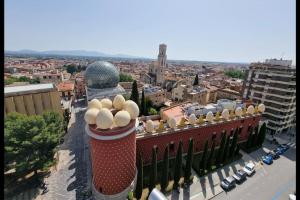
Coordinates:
(275,154)
(238,177)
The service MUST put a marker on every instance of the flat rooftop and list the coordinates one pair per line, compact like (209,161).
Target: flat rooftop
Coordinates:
(26,89)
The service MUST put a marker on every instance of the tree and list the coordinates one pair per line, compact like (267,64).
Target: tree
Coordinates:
(31,141)
(189,161)
(196,81)
(125,78)
(143,104)
(237,150)
(255,137)
(152,111)
(211,155)
(250,138)
(226,149)
(202,164)
(221,149)
(71,69)
(135,93)
(178,166)
(165,171)
(262,134)
(153,175)
(140,179)
(233,143)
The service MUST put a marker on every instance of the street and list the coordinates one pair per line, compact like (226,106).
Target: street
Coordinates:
(275,181)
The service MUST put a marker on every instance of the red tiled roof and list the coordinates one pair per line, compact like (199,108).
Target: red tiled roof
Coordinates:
(65,86)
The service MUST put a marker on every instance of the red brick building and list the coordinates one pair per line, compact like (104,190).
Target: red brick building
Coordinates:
(200,134)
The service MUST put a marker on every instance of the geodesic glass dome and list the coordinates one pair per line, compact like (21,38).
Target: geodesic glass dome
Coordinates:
(100,75)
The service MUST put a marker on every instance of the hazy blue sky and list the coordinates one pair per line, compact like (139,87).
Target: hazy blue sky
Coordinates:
(211,30)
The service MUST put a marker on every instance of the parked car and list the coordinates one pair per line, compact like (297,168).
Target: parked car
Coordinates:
(274,155)
(285,147)
(239,176)
(228,183)
(292,196)
(249,168)
(268,159)
(279,151)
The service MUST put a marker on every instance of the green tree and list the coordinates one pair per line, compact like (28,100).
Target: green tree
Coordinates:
(189,161)
(237,150)
(221,149)
(202,164)
(211,155)
(71,69)
(226,149)
(256,136)
(250,138)
(262,134)
(153,175)
(135,93)
(178,166)
(235,74)
(152,111)
(125,78)
(196,81)
(143,104)
(165,171)
(233,143)
(140,179)
(24,79)
(31,141)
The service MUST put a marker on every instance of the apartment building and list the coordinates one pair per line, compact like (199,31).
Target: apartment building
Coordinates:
(274,84)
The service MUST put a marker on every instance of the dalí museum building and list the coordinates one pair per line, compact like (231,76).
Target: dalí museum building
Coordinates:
(117,134)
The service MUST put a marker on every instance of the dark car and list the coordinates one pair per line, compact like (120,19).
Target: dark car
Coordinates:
(274,155)
(278,151)
(240,176)
(268,159)
(285,147)
(228,183)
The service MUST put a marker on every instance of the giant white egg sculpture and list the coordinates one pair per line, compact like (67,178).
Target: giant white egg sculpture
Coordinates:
(149,126)
(250,110)
(209,116)
(238,111)
(95,103)
(90,115)
(225,114)
(172,122)
(192,118)
(122,118)
(104,119)
(261,108)
(132,108)
(119,102)
(106,103)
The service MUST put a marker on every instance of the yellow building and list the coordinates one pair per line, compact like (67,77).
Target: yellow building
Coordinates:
(32,99)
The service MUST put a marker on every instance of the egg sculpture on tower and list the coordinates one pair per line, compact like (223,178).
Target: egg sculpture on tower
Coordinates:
(112,132)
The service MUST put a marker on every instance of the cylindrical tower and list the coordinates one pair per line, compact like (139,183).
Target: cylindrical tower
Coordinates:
(113,156)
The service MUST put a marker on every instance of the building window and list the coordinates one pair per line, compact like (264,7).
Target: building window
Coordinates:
(44,77)
(243,121)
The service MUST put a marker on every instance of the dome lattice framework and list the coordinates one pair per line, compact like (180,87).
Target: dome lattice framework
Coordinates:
(100,75)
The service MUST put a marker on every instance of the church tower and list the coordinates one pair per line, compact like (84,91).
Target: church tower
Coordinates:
(161,64)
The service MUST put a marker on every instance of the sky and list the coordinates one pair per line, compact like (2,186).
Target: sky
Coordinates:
(204,30)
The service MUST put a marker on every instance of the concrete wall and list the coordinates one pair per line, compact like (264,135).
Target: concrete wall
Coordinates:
(33,104)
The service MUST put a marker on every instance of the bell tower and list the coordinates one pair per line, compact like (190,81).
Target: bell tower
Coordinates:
(161,64)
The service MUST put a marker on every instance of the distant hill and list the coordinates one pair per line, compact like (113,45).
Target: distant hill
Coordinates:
(70,53)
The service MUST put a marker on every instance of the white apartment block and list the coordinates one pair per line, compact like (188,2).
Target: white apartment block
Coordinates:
(274,84)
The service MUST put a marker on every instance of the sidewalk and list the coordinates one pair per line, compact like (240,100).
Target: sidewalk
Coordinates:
(209,186)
